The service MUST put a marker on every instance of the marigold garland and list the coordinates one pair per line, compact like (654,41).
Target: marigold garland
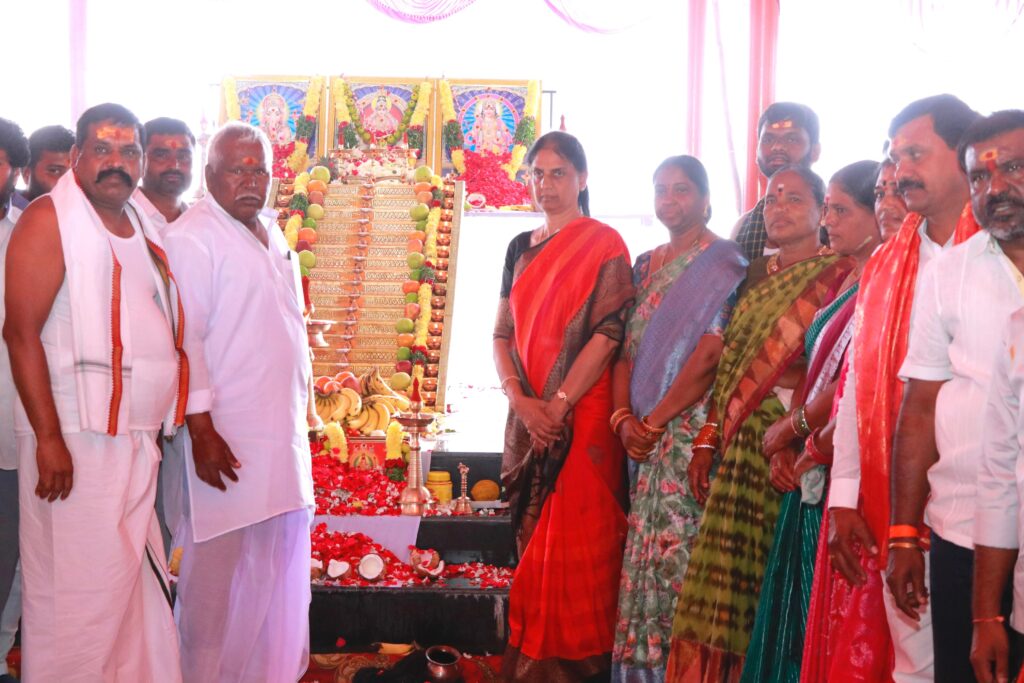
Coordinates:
(232,110)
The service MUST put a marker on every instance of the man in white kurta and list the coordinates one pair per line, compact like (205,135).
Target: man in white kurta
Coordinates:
(94,333)
(243,591)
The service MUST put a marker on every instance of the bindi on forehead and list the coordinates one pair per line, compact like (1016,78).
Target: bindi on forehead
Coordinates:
(124,135)
(781,189)
(989,157)
(251,161)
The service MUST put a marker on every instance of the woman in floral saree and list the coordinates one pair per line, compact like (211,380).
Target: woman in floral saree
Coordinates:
(776,647)
(662,387)
(566,288)
(760,367)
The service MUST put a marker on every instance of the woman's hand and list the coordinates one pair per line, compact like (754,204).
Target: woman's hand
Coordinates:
(781,471)
(639,443)
(698,472)
(780,435)
(804,463)
(534,413)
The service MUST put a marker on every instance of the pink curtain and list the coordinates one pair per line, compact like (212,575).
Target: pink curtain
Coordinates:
(695,74)
(420,11)
(764,35)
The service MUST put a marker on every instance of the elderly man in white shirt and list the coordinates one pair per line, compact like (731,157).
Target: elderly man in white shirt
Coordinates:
(244,591)
(966,298)
(14,156)
(995,166)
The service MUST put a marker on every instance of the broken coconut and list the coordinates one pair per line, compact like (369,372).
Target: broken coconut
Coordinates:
(316,568)
(371,567)
(338,569)
(426,563)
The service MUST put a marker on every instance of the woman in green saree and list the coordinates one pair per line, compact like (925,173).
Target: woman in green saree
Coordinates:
(776,647)
(760,368)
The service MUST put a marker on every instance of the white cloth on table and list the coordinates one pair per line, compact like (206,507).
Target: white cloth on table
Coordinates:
(243,603)
(998,523)
(966,298)
(249,361)
(94,600)
(844,486)
(8,395)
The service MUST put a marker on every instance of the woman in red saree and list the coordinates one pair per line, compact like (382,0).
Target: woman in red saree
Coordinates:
(565,291)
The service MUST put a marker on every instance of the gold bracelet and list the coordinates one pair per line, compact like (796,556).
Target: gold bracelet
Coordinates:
(907,545)
(510,378)
(989,620)
(618,423)
(614,419)
(649,428)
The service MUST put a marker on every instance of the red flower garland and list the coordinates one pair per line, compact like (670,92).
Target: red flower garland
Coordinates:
(342,490)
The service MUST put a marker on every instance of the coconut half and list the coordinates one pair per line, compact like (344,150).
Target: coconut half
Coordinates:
(338,569)
(371,567)
(316,568)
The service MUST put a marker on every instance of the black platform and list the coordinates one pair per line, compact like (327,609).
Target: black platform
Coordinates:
(470,619)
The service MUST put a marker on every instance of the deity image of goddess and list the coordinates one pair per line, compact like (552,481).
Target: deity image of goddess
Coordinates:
(380,121)
(273,117)
(489,133)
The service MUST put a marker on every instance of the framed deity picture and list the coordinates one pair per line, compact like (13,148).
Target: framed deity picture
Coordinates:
(493,118)
(384,112)
(289,109)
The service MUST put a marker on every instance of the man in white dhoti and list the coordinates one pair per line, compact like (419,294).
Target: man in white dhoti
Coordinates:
(166,176)
(94,329)
(14,156)
(243,591)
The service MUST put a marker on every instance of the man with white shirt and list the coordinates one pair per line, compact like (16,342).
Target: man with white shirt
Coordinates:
(993,157)
(243,590)
(924,137)
(166,176)
(14,156)
(167,171)
(965,299)
(94,330)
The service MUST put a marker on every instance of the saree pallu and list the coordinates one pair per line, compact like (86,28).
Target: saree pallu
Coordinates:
(572,526)
(693,291)
(717,604)
(776,645)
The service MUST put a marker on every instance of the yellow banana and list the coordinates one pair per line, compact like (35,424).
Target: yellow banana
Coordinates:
(383,414)
(341,411)
(395,648)
(355,401)
(359,420)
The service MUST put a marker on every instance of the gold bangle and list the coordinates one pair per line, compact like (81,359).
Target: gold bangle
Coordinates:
(618,423)
(649,428)
(989,620)
(510,378)
(614,419)
(905,545)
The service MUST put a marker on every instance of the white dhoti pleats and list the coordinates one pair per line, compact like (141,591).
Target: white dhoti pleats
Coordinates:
(243,602)
(95,602)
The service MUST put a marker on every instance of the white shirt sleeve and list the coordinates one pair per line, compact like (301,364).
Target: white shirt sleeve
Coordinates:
(928,349)
(192,265)
(998,503)
(844,490)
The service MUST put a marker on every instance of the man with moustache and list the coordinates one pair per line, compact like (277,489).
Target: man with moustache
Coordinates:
(49,159)
(993,157)
(243,590)
(787,133)
(923,148)
(965,298)
(14,156)
(94,330)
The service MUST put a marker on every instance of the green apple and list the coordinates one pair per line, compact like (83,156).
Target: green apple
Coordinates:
(419,212)
(307,259)
(412,298)
(404,353)
(414,274)
(321,173)
(421,225)
(309,223)
(423,174)
(415,261)
(315,211)
(400,381)
(404,325)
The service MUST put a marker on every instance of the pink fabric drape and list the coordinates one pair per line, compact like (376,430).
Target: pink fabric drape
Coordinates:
(764,34)
(695,74)
(420,11)
(77,11)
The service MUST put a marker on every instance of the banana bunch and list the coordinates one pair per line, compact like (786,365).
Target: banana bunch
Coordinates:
(326,404)
(349,405)
(374,415)
(373,385)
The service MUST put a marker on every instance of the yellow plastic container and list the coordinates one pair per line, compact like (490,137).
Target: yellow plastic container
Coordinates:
(440,486)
